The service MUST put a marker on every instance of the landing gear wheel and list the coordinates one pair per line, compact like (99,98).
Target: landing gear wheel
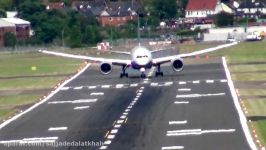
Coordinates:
(159,74)
(123,75)
(143,75)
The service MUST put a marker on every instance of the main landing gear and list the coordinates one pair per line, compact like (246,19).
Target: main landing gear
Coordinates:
(123,74)
(159,72)
(143,75)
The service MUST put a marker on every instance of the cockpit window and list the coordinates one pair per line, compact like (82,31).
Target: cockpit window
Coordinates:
(145,56)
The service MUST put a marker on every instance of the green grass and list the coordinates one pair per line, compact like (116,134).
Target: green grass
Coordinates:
(191,47)
(29,83)
(256,107)
(261,130)
(20,64)
(248,68)
(10,101)
(15,64)
(245,52)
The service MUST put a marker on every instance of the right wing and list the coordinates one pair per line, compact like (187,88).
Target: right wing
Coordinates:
(170,58)
(97,59)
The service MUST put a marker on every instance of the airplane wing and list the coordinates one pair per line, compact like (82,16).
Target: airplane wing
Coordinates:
(97,59)
(169,58)
(121,52)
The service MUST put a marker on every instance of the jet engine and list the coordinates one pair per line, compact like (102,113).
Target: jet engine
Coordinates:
(105,68)
(177,64)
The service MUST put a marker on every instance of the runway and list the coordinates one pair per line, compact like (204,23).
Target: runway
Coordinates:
(190,110)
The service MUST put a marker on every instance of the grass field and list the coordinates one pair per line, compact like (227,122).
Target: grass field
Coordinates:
(29,71)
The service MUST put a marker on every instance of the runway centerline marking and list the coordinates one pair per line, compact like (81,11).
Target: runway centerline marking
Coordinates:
(75,101)
(172,147)
(199,95)
(122,120)
(197,132)
(78,88)
(57,128)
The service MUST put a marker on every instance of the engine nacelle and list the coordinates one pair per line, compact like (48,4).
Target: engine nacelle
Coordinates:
(177,64)
(105,68)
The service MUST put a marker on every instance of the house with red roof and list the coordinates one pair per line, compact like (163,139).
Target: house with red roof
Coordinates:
(202,8)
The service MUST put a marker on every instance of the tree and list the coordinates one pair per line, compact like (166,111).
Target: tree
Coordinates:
(10,39)
(164,9)
(224,19)
(5,4)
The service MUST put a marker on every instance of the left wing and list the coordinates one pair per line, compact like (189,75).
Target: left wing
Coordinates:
(97,59)
(169,58)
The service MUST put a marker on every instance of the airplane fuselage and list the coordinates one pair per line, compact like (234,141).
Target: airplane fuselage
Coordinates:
(141,58)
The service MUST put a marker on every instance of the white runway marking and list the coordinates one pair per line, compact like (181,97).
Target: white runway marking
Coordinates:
(209,81)
(91,87)
(65,88)
(117,126)
(168,83)
(224,80)
(196,82)
(184,90)
(120,121)
(75,101)
(105,86)
(114,131)
(197,132)
(154,84)
(111,136)
(172,147)
(103,147)
(199,95)
(81,107)
(78,88)
(182,82)
(177,122)
(99,93)
(119,86)
(32,140)
(57,128)
(134,85)
(108,142)
(181,102)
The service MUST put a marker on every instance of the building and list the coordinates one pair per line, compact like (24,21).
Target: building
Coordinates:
(55,6)
(4,28)
(19,27)
(251,9)
(205,8)
(109,13)
(119,13)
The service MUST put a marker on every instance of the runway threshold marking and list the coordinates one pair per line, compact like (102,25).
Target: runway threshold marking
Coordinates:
(110,135)
(57,128)
(199,95)
(172,147)
(197,132)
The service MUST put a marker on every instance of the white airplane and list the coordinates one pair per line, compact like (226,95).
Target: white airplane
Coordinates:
(141,59)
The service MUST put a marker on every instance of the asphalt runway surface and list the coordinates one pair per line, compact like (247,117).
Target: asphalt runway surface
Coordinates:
(190,110)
